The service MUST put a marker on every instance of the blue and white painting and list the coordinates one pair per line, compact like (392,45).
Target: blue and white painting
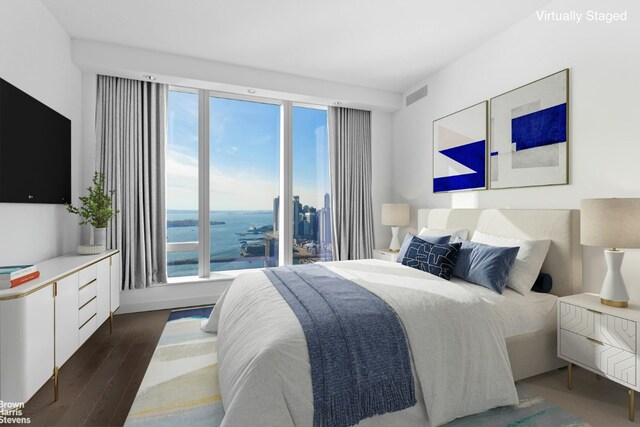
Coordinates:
(460,150)
(529,134)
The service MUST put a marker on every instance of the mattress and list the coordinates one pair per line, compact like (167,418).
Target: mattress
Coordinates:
(518,314)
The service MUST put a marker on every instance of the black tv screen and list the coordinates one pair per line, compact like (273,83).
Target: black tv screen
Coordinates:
(35,150)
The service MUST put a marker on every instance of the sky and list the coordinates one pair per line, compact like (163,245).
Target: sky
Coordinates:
(244,154)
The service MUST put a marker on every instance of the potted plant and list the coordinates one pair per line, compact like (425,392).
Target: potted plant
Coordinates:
(96,209)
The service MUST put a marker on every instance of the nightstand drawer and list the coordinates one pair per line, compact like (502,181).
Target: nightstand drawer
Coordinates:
(384,255)
(611,361)
(612,330)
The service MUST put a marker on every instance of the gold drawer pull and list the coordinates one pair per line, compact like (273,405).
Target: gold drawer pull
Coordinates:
(84,286)
(594,311)
(593,340)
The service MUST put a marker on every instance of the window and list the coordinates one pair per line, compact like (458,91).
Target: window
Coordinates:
(311,200)
(182,184)
(244,180)
(230,161)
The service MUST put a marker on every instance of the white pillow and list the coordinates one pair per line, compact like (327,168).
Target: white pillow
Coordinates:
(526,267)
(462,233)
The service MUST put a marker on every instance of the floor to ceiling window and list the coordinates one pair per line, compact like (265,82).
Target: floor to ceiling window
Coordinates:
(182,184)
(311,200)
(244,180)
(230,162)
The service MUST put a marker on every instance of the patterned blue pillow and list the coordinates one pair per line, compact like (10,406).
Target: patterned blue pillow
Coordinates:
(439,260)
(485,265)
(438,240)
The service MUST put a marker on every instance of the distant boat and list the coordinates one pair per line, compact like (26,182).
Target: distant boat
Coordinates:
(252,228)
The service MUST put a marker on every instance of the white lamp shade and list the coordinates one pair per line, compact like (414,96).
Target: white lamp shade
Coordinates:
(610,223)
(395,214)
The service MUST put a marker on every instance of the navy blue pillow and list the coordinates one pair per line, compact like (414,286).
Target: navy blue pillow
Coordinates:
(439,260)
(485,265)
(437,240)
(543,284)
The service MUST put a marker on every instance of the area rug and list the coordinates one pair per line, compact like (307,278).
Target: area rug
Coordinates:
(180,387)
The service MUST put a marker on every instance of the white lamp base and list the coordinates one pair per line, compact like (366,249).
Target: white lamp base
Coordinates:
(614,291)
(394,246)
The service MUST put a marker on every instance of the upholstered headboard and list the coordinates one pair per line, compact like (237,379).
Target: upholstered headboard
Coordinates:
(562,227)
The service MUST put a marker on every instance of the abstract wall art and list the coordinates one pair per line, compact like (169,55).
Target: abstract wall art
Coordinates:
(529,134)
(460,150)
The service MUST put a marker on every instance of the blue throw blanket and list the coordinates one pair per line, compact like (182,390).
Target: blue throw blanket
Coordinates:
(360,364)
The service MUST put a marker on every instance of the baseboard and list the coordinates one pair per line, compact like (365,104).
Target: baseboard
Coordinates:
(170,296)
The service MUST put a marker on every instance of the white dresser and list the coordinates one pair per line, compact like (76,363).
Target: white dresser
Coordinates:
(601,339)
(43,322)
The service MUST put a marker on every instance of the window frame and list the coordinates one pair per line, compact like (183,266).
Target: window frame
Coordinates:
(285,215)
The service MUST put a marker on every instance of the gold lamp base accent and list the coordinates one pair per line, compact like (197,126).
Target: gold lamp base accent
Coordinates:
(395,251)
(619,304)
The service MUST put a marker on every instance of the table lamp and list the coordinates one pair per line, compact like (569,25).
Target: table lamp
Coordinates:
(613,224)
(395,214)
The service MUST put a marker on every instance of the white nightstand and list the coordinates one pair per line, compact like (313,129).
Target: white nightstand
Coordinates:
(601,339)
(384,254)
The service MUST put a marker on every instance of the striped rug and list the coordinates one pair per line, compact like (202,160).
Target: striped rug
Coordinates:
(180,387)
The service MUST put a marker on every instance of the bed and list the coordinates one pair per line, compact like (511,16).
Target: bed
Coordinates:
(531,352)
(467,344)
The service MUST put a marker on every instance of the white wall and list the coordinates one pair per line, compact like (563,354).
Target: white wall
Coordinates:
(124,61)
(604,116)
(381,136)
(36,57)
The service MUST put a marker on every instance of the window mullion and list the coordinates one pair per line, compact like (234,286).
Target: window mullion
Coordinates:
(203,184)
(285,255)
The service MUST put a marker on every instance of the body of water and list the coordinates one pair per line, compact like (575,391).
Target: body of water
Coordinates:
(226,240)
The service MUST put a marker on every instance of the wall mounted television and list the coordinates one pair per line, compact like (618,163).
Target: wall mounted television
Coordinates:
(35,150)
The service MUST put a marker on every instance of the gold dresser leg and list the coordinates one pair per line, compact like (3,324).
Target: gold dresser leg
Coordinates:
(55,384)
(570,376)
(632,406)
(110,322)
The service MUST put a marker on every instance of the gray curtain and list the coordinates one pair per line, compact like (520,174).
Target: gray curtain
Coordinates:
(350,154)
(131,119)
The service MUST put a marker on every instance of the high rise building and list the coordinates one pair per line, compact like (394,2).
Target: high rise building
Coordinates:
(276,213)
(310,227)
(324,221)
(297,210)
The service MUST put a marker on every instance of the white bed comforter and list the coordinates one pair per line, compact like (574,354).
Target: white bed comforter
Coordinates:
(460,361)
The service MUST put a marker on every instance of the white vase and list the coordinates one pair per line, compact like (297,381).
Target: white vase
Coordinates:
(100,236)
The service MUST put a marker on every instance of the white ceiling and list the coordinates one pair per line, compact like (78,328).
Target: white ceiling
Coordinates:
(382,44)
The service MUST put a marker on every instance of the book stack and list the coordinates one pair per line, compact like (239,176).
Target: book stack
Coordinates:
(15,275)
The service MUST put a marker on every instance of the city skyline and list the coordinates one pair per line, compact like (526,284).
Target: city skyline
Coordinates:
(318,219)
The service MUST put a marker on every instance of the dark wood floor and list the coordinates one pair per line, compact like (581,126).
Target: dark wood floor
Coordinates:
(98,384)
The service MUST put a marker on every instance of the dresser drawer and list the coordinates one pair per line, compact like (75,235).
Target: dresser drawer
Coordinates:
(87,292)
(612,330)
(611,361)
(87,330)
(85,313)
(88,275)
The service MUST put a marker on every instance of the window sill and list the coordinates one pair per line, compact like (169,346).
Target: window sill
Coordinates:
(217,276)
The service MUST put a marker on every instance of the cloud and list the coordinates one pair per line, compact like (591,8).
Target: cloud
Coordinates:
(244,189)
